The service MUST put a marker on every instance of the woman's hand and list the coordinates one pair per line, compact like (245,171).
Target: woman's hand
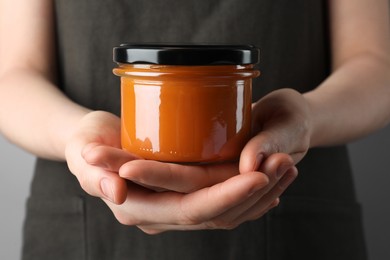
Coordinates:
(282,124)
(200,197)
(95,141)
(163,196)
(194,197)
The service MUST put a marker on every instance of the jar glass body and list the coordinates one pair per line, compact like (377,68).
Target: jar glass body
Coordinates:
(185,114)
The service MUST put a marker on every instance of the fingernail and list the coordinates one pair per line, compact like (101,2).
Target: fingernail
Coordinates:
(107,190)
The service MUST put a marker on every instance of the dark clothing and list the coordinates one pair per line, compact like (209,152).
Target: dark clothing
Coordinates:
(318,217)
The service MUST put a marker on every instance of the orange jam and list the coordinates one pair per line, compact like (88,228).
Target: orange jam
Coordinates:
(185,113)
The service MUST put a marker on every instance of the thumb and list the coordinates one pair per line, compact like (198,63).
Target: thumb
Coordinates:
(112,187)
(96,181)
(256,151)
(106,157)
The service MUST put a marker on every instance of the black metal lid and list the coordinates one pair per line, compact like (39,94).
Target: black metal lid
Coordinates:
(186,54)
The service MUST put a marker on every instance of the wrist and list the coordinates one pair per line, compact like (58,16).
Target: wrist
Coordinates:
(61,132)
(315,120)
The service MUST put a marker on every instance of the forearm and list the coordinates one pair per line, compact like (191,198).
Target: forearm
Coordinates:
(35,115)
(353,102)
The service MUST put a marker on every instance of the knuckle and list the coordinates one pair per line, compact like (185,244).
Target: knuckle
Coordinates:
(276,147)
(211,224)
(124,219)
(84,183)
(187,217)
(149,231)
(221,224)
(257,215)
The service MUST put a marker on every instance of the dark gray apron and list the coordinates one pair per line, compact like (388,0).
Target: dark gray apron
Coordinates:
(318,217)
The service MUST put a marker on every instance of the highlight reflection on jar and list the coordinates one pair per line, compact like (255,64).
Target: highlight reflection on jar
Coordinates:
(187,113)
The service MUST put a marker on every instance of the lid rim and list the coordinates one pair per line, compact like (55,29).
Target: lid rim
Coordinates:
(186,54)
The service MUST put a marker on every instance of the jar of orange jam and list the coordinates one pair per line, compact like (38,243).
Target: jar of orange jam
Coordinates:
(186,103)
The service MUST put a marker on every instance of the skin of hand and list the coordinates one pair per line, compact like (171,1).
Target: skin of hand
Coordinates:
(165,196)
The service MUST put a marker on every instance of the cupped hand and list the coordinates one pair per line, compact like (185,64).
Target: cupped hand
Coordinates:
(211,196)
(226,200)
(96,141)
(193,197)
(282,130)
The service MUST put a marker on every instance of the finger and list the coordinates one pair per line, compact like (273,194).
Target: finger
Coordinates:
(253,209)
(176,177)
(276,167)
(155,229)
(270,200)
(262,146)
(259,147)
(95,180)
(101,183)
(106,157)
(222,197)
(144,207)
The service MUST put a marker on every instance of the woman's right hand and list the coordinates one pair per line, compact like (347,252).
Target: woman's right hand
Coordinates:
(98,136)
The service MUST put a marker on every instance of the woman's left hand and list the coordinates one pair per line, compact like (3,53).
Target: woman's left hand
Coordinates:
(283,124)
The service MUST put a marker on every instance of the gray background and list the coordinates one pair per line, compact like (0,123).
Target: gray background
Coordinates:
(370,160)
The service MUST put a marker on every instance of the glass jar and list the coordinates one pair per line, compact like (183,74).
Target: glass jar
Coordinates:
(186,103)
